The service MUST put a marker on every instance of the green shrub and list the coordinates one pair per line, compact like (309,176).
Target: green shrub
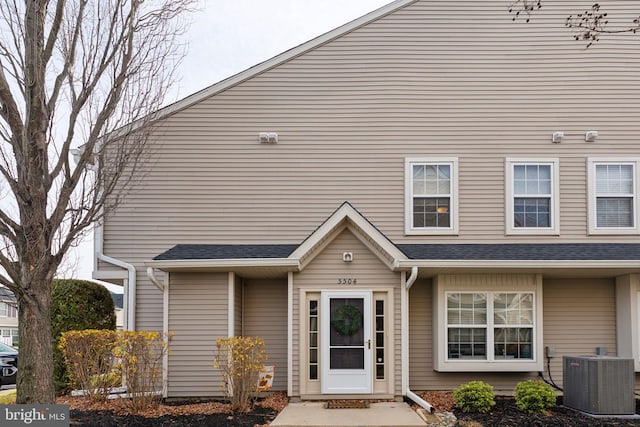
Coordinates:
(77,305)
(535,396)
(474,396)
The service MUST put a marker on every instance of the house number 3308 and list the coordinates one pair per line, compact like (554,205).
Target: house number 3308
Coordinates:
(346,281)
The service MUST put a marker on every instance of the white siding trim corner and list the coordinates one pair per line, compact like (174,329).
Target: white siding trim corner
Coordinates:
(232,304)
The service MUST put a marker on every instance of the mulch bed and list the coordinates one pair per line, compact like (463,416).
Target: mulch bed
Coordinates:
(212,413)
(259,416)
(181,413)
(507,414)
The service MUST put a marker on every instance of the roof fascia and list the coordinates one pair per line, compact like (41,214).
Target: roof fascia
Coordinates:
(546,264)
(278,59)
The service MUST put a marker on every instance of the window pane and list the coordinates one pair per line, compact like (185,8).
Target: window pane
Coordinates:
(532,180)
(614,212)
(380,339)
(532,212)
(431,212)
(467,309)
(467,343)
(313,372)
(513,343)
(313,339)
(614,179)
(513,308)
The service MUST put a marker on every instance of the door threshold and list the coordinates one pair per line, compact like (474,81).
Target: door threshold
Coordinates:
(350,397)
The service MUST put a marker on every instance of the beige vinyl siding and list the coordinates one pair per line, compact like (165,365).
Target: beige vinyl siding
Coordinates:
(437,78)
(198,307)
(579,315)
(322,273)
(265,316)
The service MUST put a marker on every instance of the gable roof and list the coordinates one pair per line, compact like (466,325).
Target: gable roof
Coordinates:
(348,217)
(277,60)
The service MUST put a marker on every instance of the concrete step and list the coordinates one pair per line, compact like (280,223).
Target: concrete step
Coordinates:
(314,414)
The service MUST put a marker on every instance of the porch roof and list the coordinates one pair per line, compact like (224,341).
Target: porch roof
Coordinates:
(226,251)
(524,251)
(443,251)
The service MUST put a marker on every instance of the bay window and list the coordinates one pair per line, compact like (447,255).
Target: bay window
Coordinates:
(493,327)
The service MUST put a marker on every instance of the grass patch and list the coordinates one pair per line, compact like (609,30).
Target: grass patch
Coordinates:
(8,398)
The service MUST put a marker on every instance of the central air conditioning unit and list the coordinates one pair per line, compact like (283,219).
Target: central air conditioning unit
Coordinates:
(599,385)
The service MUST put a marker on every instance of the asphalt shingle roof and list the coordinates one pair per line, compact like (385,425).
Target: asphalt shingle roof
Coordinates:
(525,252)
(505,252)
(193,251)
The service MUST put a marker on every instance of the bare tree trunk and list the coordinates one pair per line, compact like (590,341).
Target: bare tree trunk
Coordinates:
(74,74)
(35,362)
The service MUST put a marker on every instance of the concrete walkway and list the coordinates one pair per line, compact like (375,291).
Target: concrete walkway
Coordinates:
(314,414)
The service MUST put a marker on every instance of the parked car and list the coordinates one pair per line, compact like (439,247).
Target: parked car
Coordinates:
(8,364)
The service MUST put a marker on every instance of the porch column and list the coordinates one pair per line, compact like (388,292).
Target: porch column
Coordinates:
(627,329)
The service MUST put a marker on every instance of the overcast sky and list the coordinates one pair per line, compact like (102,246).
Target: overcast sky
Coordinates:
(229,36)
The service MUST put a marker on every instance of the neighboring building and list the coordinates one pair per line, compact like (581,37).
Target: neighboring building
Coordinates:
(8,317)
(391,207)
(118,304)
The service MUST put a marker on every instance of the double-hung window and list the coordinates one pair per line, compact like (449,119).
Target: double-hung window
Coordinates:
(431,196)
(613,201)
(490,328)
(532,196)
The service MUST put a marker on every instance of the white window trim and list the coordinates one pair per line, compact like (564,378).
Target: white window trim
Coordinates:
(408,186)
(592,205)
(554,229)
(480,284)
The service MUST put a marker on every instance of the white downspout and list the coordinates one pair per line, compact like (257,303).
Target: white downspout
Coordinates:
(405,342)
(151,274)
(130,285)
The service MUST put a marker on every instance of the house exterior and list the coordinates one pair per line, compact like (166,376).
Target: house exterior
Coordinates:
(428,195)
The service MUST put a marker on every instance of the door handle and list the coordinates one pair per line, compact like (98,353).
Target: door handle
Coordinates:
(369,344)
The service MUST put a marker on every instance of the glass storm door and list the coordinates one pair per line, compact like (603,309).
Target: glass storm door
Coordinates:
(346,342)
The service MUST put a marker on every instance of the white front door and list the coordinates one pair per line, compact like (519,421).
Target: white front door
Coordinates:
(346,342)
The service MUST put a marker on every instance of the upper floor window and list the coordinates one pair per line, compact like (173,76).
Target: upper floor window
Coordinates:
(8,310)
(532,196)
(613,204)
(431,196)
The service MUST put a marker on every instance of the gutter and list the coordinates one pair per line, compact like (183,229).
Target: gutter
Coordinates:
(405,343)
(129,302)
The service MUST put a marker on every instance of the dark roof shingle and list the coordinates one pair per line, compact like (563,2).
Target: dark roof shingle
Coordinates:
(199,251)
(524,252)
